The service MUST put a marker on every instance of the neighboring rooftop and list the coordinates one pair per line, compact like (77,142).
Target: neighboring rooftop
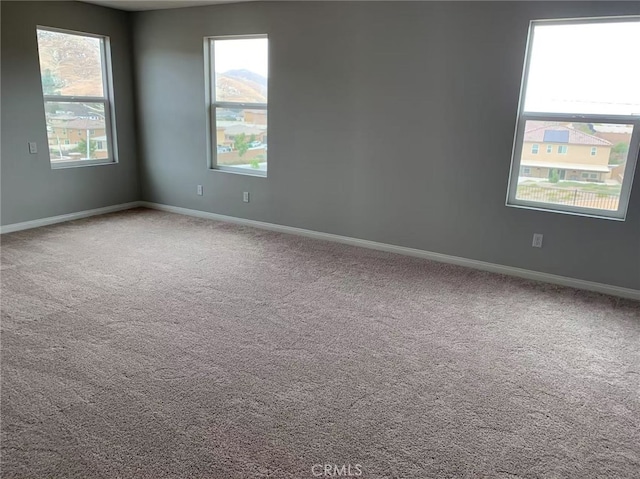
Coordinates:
(79,124)
(562,134)
(566,166)
(238,129)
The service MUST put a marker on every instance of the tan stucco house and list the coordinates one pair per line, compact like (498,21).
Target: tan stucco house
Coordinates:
(573,154)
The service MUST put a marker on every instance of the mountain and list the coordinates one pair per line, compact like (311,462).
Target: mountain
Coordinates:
(70,64)
(248,76)
(241,85)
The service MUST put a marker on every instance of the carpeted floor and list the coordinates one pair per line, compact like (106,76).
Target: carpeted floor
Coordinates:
(151,345)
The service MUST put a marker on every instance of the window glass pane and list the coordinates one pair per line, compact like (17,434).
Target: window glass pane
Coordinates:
(571,174)
(70,65)
(241,138)
(76,131)
(584,68)
(241,70)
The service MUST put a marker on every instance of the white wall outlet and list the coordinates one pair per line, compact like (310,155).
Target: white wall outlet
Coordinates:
(199,190)
(537,240)
(245,196)
(33,147)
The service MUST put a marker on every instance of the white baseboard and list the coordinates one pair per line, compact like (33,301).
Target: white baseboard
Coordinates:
(68,217)
(442,258)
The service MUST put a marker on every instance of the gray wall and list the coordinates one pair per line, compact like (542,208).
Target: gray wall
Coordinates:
(30,189)
(391,122)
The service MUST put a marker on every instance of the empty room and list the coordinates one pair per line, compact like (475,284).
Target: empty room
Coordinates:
(314,239)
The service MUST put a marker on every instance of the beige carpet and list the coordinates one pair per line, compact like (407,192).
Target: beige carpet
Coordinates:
(151,345)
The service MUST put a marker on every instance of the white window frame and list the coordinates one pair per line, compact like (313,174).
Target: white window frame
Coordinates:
(212,105)
(563,149)
(106,100)
(523,117)
(535,149)
(594,150)
(549,149)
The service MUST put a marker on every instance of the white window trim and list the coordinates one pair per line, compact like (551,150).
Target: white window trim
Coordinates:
(212,104)
(107,100)
(522,117)
(535,149)
(594,150)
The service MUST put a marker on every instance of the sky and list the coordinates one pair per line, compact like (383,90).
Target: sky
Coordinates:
(585,68)
(242,54)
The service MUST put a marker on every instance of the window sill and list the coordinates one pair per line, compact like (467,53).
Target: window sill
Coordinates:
(61,165)
(550,209)
(239,171)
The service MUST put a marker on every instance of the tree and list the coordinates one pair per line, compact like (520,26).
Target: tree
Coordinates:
(554,177)
(241,144)
(82,147)
(51,84)
(618,153)
(255,163)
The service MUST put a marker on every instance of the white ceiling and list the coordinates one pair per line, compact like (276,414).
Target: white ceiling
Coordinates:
(137,5)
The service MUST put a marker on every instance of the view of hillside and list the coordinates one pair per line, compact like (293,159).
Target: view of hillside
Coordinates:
(70,64)
(241,86)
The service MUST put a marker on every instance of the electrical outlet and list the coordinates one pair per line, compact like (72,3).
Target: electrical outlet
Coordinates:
(33,147)
(199,190)
(537,240)
(245,197)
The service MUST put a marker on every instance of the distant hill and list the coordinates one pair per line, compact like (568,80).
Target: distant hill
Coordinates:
(241,85)
(70,64)
(247,75)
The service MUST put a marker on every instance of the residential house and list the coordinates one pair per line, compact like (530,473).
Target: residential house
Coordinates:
(226,132)
(571,153)
(256,117)
(67,133)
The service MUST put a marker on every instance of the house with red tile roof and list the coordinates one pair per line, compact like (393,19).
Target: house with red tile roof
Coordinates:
(572,154)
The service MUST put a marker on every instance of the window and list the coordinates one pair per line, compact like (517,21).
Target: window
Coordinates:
(76,79)
(237,97)
(575,108)
(534,149)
